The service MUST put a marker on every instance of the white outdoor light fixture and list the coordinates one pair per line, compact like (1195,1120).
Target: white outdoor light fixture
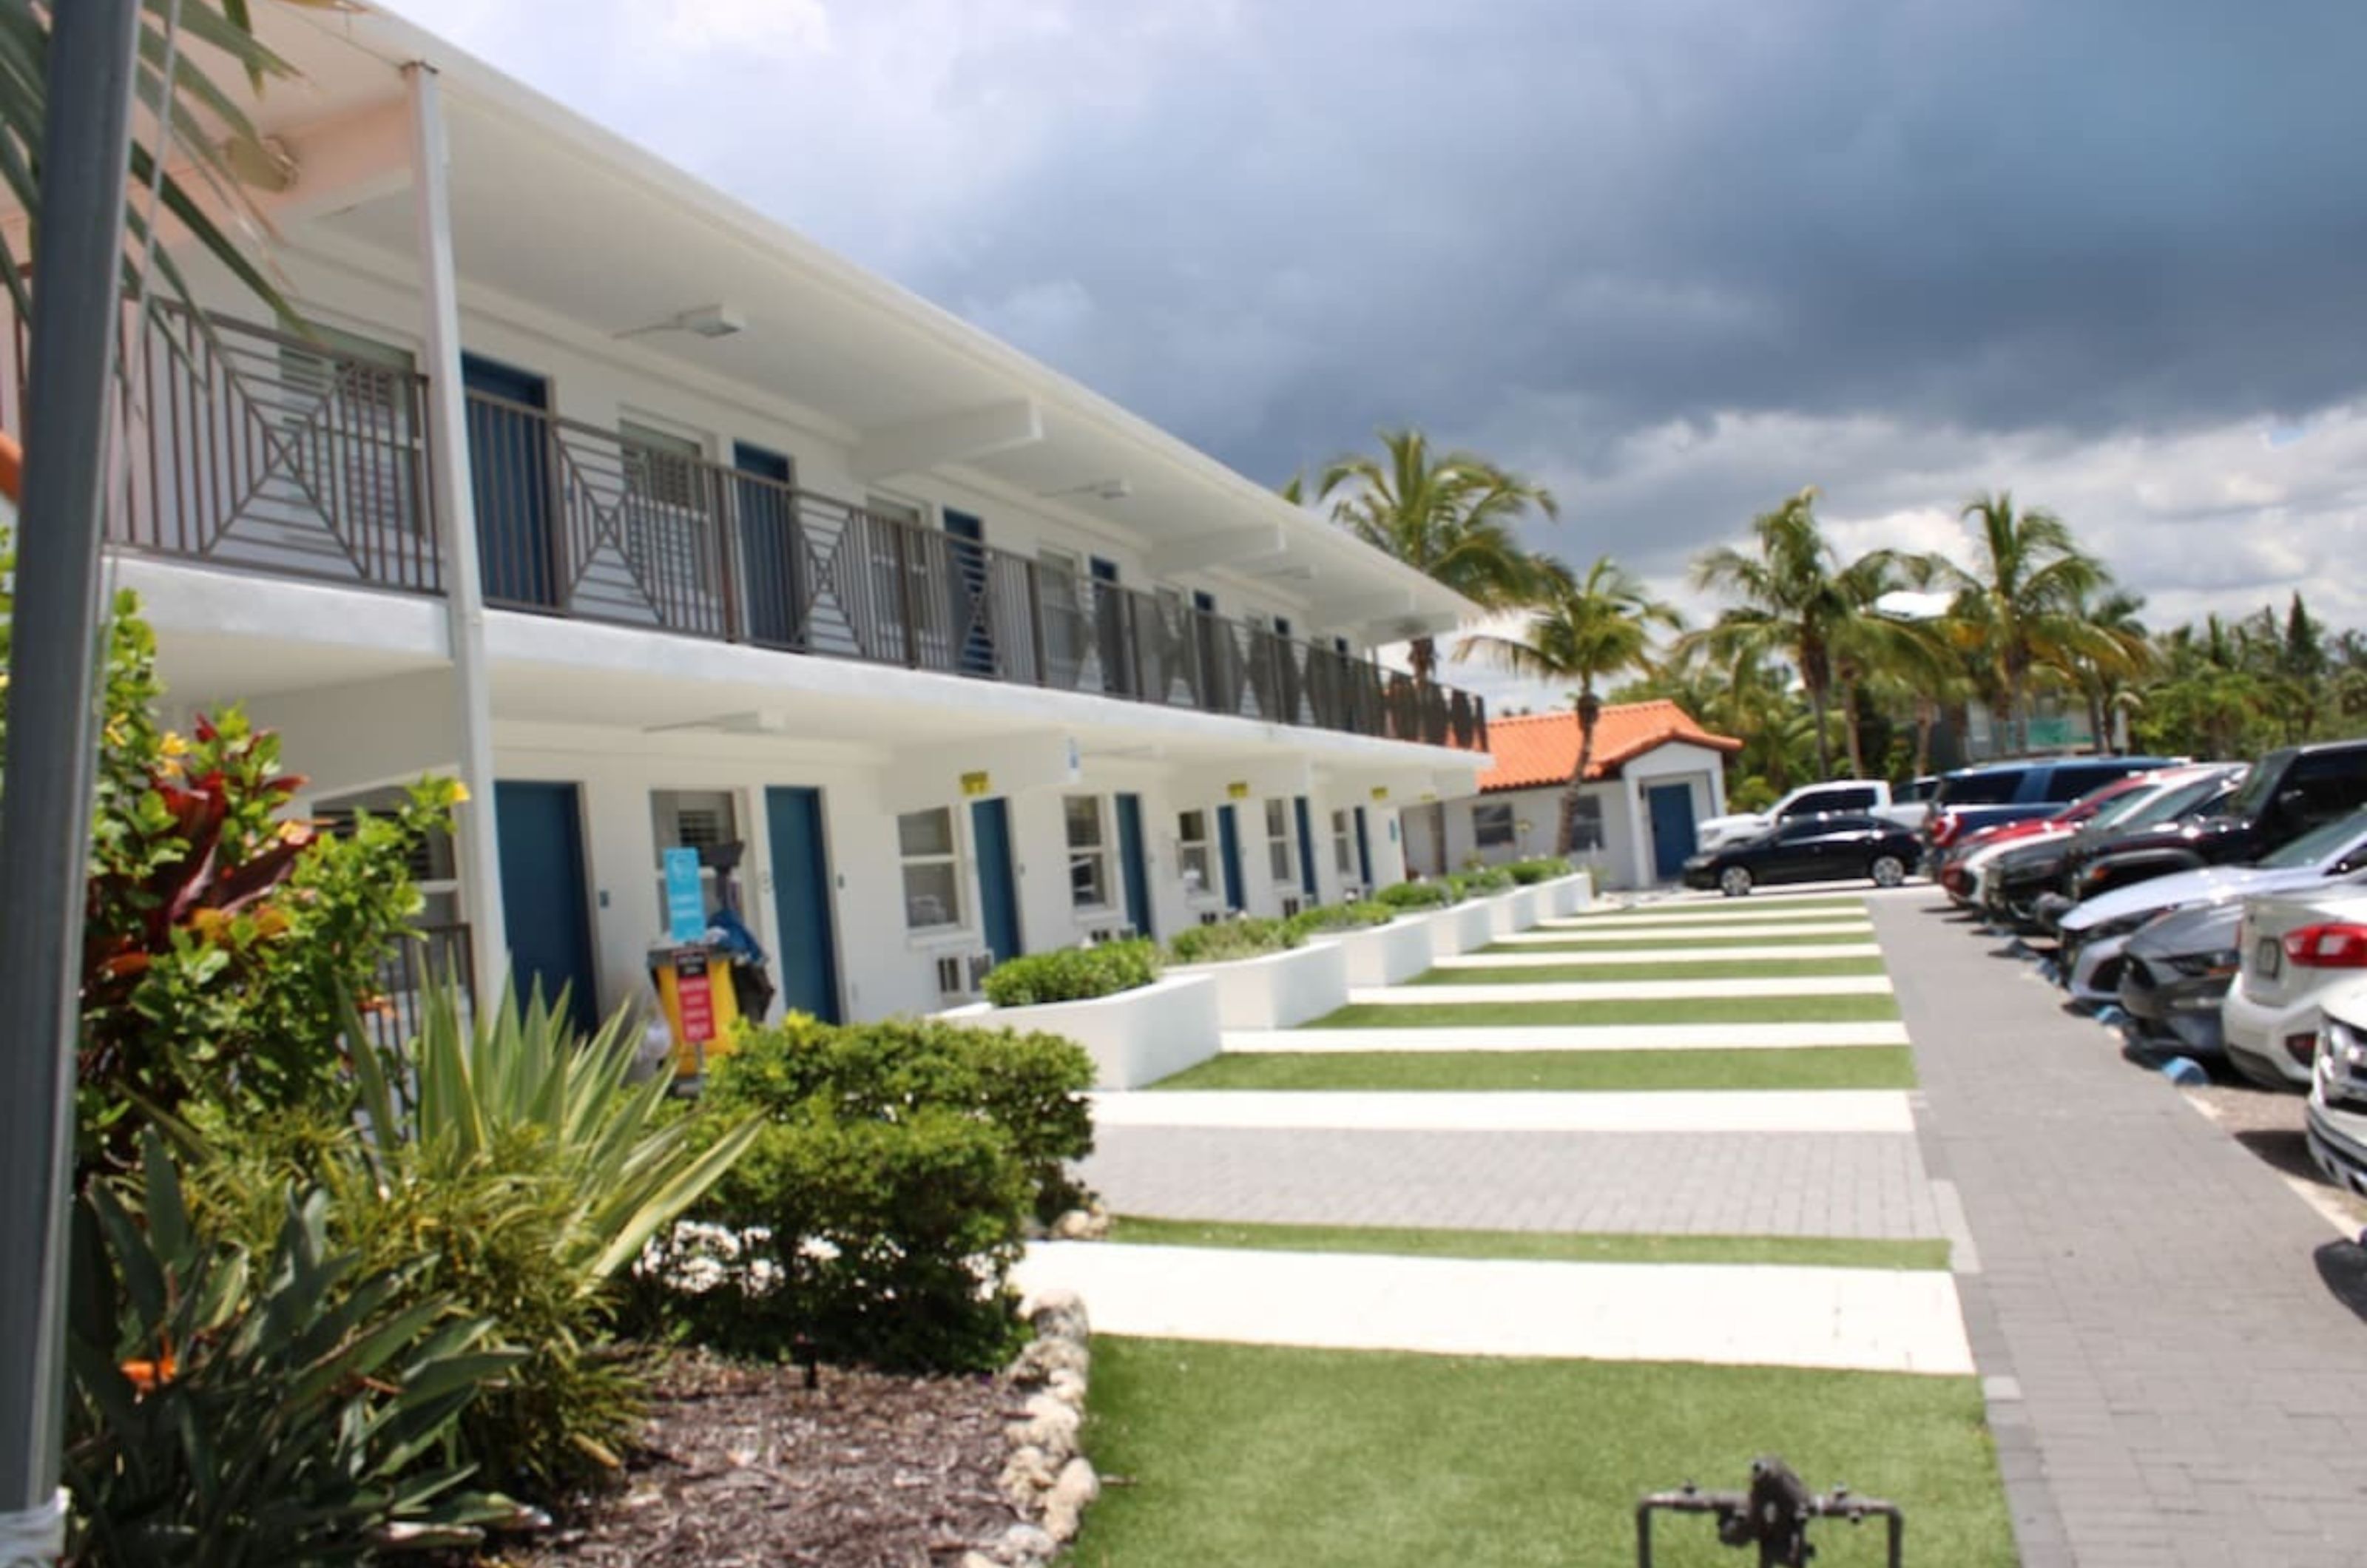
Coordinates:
(700,321)
(1116,489)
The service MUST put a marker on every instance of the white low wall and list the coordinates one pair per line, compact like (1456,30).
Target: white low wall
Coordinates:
(1568,895)
(1135,1037)
(1521,909)
(1389,955)
(1275,990)
(1462,927)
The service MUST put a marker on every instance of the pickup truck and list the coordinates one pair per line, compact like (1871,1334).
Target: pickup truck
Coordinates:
(2283,795)
(1864,797)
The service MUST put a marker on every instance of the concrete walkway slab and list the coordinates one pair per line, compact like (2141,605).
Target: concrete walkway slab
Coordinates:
(1864,1319)
(1572,1037)
(1804,954)
(1747,931)
(1619,990)
(1830,1111)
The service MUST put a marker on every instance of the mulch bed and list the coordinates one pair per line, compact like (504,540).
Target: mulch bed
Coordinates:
(744,1464)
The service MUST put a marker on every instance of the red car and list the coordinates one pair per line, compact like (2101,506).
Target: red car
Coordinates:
(1957,880)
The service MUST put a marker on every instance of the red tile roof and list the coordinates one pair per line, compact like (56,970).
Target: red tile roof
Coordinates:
(1541,749)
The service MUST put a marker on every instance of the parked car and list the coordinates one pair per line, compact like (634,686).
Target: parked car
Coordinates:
(2174,974)
(1868,797)
(1963,863)
(2295,948)
(1833,847)
(2024,890)
(2015,792)
(2337,1118)
(2285,794)
(2095,930)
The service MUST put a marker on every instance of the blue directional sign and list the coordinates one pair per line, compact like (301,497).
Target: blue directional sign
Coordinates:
(686,900)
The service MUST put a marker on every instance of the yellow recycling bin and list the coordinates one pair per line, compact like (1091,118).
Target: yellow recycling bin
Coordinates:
(693,984)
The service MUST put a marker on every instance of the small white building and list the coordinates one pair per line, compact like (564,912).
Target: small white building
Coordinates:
(664,527)
(1655,772)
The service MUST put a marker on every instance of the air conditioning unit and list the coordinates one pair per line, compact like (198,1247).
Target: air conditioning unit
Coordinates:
(962,976)
(1292,906)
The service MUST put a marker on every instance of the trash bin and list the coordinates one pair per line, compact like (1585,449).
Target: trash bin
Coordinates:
(694,989)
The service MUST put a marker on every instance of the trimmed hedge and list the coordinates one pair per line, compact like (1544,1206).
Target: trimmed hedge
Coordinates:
(1359,916)
(880,1211)
(1245,938)
(1481,880)
(1072,973)
(1528,873)
(1417,895)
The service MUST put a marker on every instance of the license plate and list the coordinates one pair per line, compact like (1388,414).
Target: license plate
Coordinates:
(2269,958)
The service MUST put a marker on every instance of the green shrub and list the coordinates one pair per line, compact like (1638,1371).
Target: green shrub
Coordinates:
(299,1412)
(1417,895)
(1072,973)
(1486,879)
(1244,938)
(522,1158)
(1358,916)
(878,1214)
(1528,873)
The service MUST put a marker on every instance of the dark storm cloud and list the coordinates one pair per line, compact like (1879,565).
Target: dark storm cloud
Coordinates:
(1987,216)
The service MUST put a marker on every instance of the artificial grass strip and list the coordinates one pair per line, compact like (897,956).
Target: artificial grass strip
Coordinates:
(1543,1246)
(1644,969)
(1652,1009)
(1646,941)
(1436,1072)
(1268,1456)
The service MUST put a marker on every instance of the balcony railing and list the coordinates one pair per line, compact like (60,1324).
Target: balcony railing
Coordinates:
(258,449)
(425,959)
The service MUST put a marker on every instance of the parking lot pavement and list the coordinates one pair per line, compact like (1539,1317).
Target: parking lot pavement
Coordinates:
(2175,1344)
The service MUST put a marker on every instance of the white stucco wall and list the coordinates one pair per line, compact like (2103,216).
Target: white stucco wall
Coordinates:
(1626,859)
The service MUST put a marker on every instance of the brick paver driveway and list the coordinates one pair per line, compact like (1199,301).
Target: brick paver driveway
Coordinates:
(2176,1376)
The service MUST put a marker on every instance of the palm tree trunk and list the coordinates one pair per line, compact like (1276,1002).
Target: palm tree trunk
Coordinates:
(2096,734)
(1927,716)
(1816,696)
(1849,730)
(1590,711)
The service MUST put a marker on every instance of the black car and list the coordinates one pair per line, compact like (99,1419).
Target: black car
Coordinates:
(1808,849)
(2283,795)
(2173,974)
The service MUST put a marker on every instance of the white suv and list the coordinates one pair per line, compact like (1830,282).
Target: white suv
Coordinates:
(2294,948)
(2337,1119)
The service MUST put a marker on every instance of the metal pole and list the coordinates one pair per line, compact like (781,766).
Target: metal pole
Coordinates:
(45,809)
(454,495)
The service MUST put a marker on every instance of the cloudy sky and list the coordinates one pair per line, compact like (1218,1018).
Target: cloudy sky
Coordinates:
(1676,259)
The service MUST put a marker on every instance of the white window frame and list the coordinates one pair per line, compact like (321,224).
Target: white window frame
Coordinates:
(1490,831)
(949,857)
(1587,821)
(666,502)
(665,833)
(1343,843)
(1281,852)
(1196,853)
(1090,894)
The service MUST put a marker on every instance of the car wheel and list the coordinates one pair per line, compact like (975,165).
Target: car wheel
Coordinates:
(1887,871)
(1734,881)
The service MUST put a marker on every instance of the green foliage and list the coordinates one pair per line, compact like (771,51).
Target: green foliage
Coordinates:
(883,1205)
(1417,895)
(1481,881)
(1362,914)
(1244,938)
(1528,873)
(221,1414)
(534,1171)
(1072,973)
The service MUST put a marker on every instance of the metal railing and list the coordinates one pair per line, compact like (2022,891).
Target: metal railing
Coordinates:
(297,456)
(265,450)
(426,958)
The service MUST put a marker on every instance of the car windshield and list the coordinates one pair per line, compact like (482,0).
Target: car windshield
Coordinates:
(2319,843)
(2121,805)
(2172,803)
(1993,788)
(2252,794)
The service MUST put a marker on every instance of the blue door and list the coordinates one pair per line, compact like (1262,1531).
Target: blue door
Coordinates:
(971,622)
(1229,850)
(1131,865)
(543,897)
(1671,809)
(769,545)
(1363,852)
(998,883)
(801,904)
(1307,848)
(509,481)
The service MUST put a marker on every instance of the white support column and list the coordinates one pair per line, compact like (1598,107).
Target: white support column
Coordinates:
(450,482)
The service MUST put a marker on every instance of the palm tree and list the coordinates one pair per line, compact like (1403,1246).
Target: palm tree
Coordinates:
(1797,601)
(2119,652)
(1870,646)
(2023,609)
(1456,517)
(212,139)
(1584,631)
